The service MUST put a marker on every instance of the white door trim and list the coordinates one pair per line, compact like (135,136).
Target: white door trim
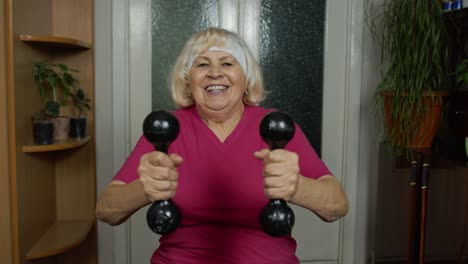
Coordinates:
(121,110)
(342,94)
(340,135)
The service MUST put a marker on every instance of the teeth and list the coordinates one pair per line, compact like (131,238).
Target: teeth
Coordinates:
(216,87)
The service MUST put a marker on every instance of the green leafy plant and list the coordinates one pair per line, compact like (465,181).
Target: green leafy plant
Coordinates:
(51,109)
(80,101)
(56,83)
(410,35)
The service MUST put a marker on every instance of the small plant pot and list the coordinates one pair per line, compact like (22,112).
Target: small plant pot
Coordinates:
(77,127)
(43,132)
(61,128)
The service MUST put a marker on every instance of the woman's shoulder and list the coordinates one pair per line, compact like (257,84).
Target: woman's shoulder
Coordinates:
(258,110)
(185,113)
(256,114)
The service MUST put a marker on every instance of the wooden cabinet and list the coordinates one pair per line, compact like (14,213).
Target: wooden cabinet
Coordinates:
(52,189)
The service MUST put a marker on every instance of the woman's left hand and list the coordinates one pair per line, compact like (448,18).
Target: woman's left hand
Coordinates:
(281,172)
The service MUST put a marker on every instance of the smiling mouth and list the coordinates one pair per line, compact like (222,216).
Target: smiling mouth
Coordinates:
(216,88)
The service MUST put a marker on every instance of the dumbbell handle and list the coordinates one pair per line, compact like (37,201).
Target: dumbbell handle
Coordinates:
(160,128)
(277,218)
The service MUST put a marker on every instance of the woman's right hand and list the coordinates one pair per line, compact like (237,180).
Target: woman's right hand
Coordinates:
(158,175)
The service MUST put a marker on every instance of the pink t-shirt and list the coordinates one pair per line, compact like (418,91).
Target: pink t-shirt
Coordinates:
(220,193)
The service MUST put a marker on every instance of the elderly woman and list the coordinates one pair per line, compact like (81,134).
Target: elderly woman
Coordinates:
(219,172)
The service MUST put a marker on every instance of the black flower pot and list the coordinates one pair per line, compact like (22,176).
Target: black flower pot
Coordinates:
(77,127)
(43,132)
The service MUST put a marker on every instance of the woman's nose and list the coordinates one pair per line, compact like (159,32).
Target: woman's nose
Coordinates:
(215,72)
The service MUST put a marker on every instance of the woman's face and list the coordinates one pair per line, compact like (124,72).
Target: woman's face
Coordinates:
(217,82)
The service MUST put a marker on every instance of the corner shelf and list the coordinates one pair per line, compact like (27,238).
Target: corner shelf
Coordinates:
(60,145)
(67,168)
(61,237)
(54,40)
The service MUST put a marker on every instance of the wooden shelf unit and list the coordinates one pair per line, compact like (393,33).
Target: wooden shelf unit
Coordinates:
(60,145)
(56,41)
(52,188)
(61,237)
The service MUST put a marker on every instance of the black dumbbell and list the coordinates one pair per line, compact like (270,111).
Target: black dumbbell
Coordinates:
(161,128)
(277,218)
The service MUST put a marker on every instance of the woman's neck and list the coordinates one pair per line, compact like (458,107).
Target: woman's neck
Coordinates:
(223,124)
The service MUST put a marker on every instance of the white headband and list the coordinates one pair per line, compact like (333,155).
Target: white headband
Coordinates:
(232,48)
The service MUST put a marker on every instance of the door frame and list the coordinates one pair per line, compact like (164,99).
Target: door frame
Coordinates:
(342,88)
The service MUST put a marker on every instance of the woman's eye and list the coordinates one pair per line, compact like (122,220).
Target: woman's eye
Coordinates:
(228,64)
(202,64)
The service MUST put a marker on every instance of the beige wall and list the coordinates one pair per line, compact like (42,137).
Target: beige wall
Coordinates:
(5,223)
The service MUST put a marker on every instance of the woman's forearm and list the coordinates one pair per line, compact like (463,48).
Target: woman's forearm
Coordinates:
(119,201)
(324,196)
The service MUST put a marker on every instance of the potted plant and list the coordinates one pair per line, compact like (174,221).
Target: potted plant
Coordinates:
(55,83)
(43,128)
(414,79)
(78,123)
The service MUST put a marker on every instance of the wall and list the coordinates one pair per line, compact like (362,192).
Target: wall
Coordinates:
(367,188)
(103,107)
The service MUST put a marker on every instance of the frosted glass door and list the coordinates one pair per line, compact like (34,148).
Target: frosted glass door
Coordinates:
(291,55)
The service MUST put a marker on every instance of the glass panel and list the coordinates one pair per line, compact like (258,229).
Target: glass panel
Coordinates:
(291,54)
(173,22)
